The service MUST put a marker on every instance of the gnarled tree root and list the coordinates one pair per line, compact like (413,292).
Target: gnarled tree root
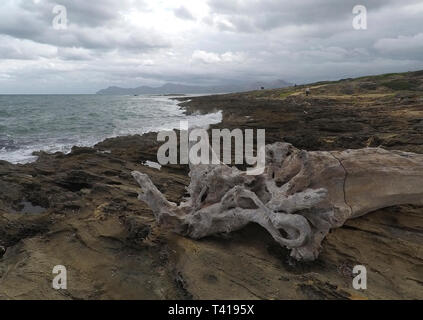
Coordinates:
(305,194)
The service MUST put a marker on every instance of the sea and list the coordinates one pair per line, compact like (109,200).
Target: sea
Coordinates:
(52,123)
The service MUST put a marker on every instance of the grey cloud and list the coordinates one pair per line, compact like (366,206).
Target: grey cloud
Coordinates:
(402,47)
(256,15)
(78,54)
(90,25)
(299,41)
(11,48)
(183,13)
(83,12)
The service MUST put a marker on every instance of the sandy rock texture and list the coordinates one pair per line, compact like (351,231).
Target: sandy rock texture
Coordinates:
(81,210)
(298,198)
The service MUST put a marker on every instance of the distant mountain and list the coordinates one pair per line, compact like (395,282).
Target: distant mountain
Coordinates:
(172,88)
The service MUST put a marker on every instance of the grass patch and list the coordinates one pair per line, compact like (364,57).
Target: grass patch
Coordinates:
(379,77)
(387,75)
(258,94)
(284,95)
(401,85)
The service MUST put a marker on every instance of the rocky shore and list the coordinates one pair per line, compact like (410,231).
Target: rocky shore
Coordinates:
(81,210)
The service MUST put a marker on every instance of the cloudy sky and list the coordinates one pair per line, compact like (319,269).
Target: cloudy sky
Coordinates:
(149,42)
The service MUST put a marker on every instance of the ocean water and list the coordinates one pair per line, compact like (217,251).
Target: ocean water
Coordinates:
(54,123)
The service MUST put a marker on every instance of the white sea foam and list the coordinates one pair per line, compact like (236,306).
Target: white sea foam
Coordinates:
(96,120)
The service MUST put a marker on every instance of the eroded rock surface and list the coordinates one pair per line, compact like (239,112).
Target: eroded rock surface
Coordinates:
(305,194)
(109,241)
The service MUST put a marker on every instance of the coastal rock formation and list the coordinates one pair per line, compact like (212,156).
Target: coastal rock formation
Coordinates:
(300,196)
(110,243)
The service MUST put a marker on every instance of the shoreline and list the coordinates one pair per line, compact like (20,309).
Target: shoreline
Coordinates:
(69,148)
(81,210)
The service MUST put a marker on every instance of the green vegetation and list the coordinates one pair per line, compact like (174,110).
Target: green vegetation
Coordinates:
(401,85)
(369,87)
(284,95)
(257,94)
(380,77)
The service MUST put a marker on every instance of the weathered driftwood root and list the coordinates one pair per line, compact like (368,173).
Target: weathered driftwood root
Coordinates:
(299,197)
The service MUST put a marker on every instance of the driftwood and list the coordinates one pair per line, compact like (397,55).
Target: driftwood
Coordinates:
(300,196)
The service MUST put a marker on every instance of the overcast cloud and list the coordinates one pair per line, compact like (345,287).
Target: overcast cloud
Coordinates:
(130,43)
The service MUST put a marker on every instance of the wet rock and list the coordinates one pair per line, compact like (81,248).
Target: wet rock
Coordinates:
(116,251)
(76,180)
